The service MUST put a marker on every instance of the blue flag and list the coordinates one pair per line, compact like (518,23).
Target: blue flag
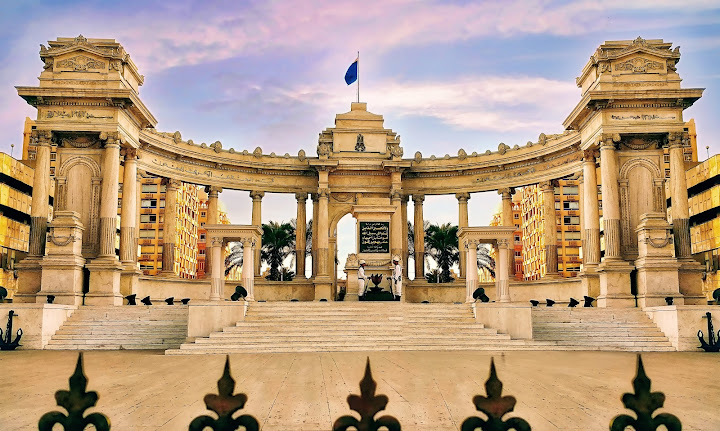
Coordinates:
(352,72)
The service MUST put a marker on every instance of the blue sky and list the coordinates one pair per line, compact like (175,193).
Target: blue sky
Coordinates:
(445,74)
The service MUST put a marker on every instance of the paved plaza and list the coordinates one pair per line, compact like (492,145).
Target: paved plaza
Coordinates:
(307,391)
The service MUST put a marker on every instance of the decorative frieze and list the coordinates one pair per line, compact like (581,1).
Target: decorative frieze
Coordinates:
(81,63)
(639,65)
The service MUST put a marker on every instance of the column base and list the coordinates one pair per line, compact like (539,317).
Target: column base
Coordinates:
(129,280)
(29,279)
(657,278)
(502,288)
(62,277)
(324,288)
(590,279)
(615,285)
(104,282)
(690,279)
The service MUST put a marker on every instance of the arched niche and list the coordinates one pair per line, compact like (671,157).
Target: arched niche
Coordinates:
(641,191)
(78,189)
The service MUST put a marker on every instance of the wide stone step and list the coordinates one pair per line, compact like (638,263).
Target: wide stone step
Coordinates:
(156,346)
(377,338)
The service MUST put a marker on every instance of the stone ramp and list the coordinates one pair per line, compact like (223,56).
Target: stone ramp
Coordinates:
(352,326)
(624,329)
(123,328)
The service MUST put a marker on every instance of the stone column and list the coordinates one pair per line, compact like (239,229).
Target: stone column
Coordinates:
(550,231)
(502,281)
(300,225)
(610,196)
(138,205)
(257,221)
(217,273)
(323,232)
(248,277)
(471,280)
(313,247)
(679,197)
(590,212)
(29,271)
(40,193)
(213,217)
(690,272)
(396,229)
(109,198)
(129,211)
(170,227)
(462,222)
(507,219)
(419,237)
(404,222)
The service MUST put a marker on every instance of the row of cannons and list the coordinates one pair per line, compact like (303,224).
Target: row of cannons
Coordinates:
(227,406)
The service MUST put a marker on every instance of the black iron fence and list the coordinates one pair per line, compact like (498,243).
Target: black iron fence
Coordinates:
(225,404)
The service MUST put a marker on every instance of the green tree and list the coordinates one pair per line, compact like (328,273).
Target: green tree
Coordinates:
(485,260)
(234,259)
(278,242)
(441,244)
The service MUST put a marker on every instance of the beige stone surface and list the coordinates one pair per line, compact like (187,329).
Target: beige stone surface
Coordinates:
(426,391)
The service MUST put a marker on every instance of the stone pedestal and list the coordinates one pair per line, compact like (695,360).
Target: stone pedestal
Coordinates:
(690,281)
(62,274)
(590,278)
(104,282)
(129,279)
(324,288)
(29,279)
(657,269)
(615,284)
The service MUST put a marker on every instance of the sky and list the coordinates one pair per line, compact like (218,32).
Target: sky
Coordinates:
(444,74)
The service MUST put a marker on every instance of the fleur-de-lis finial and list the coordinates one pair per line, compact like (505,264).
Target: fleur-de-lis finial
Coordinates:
(368,405)
(495,406)
(225,404)
(75,401)
(644,403)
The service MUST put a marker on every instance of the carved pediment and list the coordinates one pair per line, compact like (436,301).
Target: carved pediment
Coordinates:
(81,63)
(639,65)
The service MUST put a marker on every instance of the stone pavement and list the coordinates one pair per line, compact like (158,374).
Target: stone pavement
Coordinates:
(307,391)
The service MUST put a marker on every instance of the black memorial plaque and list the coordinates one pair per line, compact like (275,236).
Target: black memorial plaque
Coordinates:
(374,237)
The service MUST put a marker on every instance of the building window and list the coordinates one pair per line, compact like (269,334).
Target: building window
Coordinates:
(557,206)
(516,216)
(162,203)
(147,233)
(570,190)
(148,218)
(517,238)
(149,188)
(203,214)
(571,205)
(163,187)
(518,253)
(147,249)
(572,236)
(146,267)
(53,156)
(201,252)
(148,203)
(571,220)
(202,237)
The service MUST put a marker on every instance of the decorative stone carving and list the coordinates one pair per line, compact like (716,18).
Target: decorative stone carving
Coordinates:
(177,137)
(360,144)
(639,65)
(462,155)
(352,260)
(324,149)
(590,155)
(41,137)
(112,138)
(257,152)
(502,148)
(80,141)
(81,63)
(462,197)
(542,139)
(418,157)
(641,142)
(301,155)
(395,150)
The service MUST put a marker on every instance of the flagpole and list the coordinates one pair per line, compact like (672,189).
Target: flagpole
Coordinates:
(358,77)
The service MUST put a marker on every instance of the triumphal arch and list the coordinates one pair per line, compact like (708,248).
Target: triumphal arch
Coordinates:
(630,107)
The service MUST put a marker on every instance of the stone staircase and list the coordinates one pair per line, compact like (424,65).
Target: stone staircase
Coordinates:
(352,326)
(123,328)
(624,329)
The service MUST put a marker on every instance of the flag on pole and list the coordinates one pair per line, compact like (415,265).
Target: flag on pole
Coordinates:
(352,73)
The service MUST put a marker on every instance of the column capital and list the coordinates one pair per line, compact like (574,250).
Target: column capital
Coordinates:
(590,155)
(418,199)
(129,153)
(471,242)
(41,138)
(503,243)
(506,192)
(171,184)
(216,241)
(547,186)
(396,195)
(301,196)
(323,193)
(213,191)
(314,197)
(112,138)
(678,139)
(607,141)
(257,195)
(462,197)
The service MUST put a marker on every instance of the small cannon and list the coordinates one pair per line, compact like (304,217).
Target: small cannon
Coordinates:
(573,303)
(240,292)
(713,344)
(6,342)
(3,294)
(480,294)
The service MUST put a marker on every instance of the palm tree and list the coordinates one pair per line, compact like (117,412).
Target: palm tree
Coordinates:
(278,242)
(485,260)
(234,259)
(441,244)
(308,242)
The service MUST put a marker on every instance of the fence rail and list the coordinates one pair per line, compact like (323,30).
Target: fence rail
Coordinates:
(225,404)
